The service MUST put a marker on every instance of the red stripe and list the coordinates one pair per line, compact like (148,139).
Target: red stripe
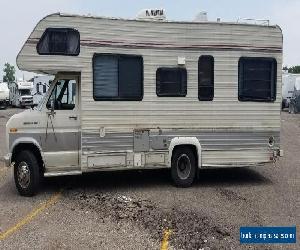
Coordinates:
(108,43)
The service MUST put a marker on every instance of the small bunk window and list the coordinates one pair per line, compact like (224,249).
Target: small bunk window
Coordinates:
(171,82)
(206,78)
(257,79)
(117,77)
(59,41)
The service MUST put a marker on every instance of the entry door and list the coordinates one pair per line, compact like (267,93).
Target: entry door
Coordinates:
(62,139)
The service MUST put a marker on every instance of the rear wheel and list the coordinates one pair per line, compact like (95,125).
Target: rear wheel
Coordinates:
(183,169)
(27,173)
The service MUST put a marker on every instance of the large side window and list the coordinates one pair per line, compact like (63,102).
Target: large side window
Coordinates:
(59,41)
(118,77)
(206,78)
(171,82)
(257,79)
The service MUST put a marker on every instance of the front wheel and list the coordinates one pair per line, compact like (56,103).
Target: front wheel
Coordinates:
(27,173)
(183,168)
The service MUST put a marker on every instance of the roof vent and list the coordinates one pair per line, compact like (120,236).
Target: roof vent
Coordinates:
(151,14)
(201,17)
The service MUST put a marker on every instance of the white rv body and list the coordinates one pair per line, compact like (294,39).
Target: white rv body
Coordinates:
(116,135)
(40,87)
(288,85)
(4,95)
(20,94)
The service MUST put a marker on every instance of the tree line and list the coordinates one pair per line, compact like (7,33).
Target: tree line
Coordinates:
(9,73)
(293,69)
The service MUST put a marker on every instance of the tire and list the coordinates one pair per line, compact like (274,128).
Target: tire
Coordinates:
(183,167)
(27,173)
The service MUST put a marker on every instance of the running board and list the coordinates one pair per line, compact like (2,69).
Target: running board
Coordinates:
(62,173)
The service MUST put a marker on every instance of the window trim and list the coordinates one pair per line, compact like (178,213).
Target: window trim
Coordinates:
(212,77)
(273,84)
(57,54)
(172,68)
(140,98)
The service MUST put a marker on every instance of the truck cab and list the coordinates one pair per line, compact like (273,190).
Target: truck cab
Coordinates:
(20,94)
(45,141)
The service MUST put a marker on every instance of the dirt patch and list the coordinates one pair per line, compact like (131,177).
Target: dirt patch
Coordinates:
(189,230)
(231,195)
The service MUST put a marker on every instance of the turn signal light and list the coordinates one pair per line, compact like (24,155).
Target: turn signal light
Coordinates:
(13,130)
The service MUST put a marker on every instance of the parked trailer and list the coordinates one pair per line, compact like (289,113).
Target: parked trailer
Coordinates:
(4,95)
(20,94)
(141,94)
(288,85)
(294,106)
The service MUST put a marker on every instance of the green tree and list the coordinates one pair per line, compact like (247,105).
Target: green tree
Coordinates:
(295,69)
(9,75)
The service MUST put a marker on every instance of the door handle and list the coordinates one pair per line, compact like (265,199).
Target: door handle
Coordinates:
(74,117)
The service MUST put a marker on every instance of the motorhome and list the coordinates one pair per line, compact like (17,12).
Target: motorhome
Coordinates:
(4,95)
(146,94)
(288,86)
(40,87)
(294,106)
(20,94)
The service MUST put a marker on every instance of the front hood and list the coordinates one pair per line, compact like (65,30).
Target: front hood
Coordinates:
(23,120)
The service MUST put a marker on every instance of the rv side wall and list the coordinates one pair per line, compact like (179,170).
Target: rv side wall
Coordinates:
(231,133)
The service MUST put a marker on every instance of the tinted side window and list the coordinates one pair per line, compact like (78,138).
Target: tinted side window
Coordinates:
(171,82)
(257,79)
(206,78)
(59,41)
(63,95)
(118,77)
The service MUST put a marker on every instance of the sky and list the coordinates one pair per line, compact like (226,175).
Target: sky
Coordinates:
(18,18)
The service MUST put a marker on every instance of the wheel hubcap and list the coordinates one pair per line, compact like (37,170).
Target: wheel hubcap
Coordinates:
(183,167)
(23,174)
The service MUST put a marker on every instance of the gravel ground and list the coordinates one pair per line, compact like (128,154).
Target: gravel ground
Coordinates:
(130,210)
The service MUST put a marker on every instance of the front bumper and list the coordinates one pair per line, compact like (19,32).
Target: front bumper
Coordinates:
(26,103)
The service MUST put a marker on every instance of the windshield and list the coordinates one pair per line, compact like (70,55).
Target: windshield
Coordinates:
(25,92)
(45,95)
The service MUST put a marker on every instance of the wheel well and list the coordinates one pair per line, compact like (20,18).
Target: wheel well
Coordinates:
(191,147)
(30,147)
